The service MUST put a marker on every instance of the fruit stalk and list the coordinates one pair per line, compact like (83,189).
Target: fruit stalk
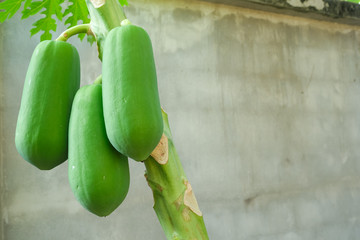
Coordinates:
(82,28)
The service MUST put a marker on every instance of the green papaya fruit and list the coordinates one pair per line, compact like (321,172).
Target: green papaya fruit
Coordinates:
(52,79)
(131,102)
(98,174)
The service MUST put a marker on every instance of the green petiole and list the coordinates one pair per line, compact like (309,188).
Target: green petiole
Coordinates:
(81,28)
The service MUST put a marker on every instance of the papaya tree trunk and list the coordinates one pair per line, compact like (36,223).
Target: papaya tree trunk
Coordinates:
(174,201)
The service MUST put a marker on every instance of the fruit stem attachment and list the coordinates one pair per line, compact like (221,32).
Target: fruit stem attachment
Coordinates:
(125,22)
(81,28)
(98,80)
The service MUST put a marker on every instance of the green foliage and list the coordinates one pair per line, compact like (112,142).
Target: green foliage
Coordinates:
(9,7)
(48,8)
(123,2)
(74,11)
(353,1)
(77,11)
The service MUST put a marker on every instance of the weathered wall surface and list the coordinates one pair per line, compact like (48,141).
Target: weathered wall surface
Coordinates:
(265,113)
(1,134)
(340,11)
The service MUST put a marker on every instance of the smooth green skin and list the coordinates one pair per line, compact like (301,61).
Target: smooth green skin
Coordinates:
(98,174)
(131,102)
(52,79)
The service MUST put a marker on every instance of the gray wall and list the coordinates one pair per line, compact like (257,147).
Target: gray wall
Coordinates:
(265,113)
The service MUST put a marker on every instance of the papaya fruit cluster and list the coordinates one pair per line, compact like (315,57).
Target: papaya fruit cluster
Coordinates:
(96,127)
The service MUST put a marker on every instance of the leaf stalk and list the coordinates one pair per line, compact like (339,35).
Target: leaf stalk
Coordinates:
(81,28)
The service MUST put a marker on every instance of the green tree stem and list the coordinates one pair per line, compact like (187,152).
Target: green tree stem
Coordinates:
(104,17)
(82,28)
(174,201)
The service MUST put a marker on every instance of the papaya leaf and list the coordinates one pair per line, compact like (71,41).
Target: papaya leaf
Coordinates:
(46,25)
(47,8)
(353,1)
(91,39)
(8,8)
(76,11)
(123,2)
(27,3)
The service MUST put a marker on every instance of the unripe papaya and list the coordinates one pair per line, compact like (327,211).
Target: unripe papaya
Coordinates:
(131,102)
(52,79)
(98,174)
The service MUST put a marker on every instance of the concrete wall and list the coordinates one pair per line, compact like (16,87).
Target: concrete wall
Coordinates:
(340,11)
(265,114)
(1,133)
